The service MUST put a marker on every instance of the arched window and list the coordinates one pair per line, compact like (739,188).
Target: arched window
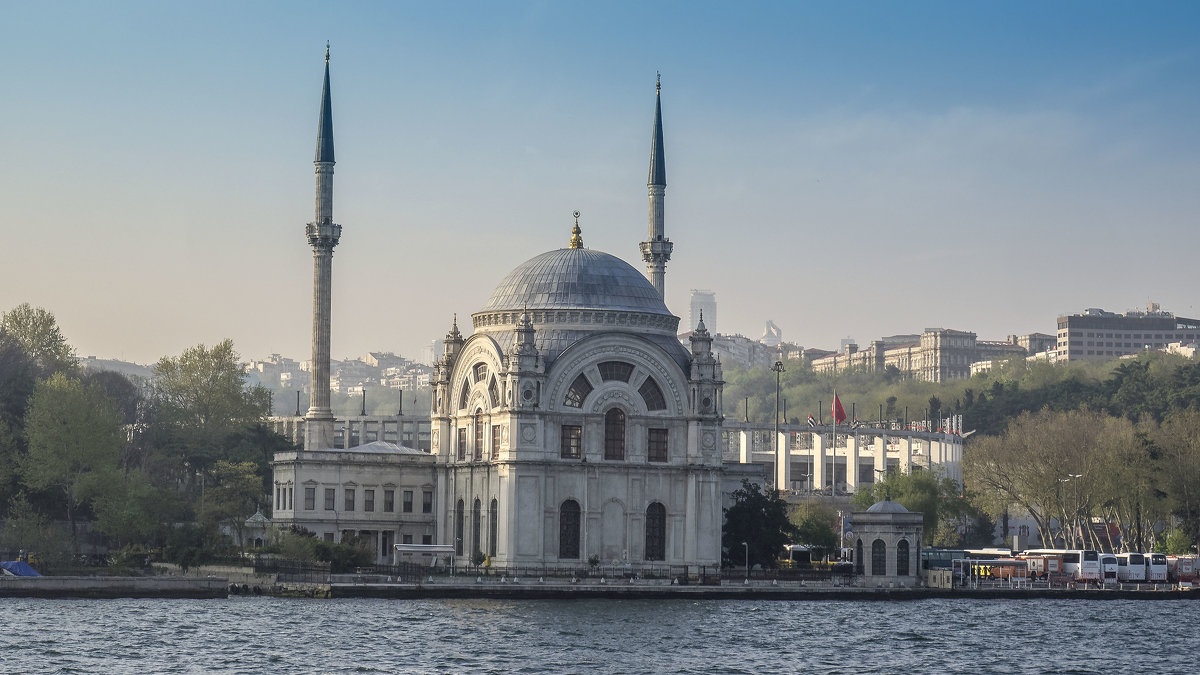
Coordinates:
(478,435)
(858,557)
(480,371)
(579,390)
(476,515)
(458,527)
(878,558)
(568,530)
(652,394)
(465,395)
(494,392)
(656,532)
(902,558)
(493,516)
(615,370)
(614,434)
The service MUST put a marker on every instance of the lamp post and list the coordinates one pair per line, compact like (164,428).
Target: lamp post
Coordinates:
(746,546)
(779,466)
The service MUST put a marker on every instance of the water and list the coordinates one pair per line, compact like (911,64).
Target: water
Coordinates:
(265,635)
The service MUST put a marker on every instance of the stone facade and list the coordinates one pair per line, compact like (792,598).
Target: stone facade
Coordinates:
(887,545)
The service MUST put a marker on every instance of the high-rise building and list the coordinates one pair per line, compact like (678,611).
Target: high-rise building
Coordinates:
(703,306)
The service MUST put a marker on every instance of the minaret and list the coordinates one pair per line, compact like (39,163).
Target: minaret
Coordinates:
(656,251)
(323,236)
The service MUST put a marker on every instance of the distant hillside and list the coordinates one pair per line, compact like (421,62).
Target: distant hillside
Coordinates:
(131,370)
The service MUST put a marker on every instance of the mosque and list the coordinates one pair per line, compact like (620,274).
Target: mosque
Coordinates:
(570,427)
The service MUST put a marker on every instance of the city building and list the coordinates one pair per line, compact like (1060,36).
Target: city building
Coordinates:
(936,355)
(1097,334)
(703,305)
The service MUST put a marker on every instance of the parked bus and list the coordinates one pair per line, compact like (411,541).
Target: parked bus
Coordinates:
(1108,567)
(1156,568)
(1131,567)
(798,556)
(1080,564)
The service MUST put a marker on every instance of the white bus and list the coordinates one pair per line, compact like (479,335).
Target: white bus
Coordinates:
(1131,567)
(1156,567)
(1108,567)
(1080,564)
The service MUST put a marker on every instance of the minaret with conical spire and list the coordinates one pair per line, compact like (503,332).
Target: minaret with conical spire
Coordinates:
(323,236)
(656,251)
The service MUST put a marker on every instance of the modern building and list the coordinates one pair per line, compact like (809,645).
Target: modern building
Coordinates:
(1097,334)
(703,306)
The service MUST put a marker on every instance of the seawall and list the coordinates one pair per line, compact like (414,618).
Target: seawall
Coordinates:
(113,587)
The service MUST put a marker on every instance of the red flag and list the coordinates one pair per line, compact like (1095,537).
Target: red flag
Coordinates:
(839,414)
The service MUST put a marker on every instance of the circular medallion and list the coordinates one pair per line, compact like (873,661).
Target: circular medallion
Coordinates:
(710,440)
(528,433)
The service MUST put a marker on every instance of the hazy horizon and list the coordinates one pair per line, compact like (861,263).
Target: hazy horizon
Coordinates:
(843,170)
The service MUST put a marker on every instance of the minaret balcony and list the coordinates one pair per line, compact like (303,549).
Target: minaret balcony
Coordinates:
(327,233)
(658,250)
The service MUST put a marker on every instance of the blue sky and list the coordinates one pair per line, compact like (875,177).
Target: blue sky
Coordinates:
(844,169)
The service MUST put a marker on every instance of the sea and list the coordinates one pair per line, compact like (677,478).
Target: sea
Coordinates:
(278,635)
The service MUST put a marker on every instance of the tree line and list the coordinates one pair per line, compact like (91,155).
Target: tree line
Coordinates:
(159,465)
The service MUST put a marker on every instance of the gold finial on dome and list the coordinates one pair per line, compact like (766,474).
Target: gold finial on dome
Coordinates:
(576,233)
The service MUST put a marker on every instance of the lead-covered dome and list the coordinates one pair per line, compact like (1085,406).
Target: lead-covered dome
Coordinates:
(573,293)
(576,278)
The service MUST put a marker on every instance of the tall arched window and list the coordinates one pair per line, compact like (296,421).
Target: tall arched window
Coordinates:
(568,530)
(614,434)
(878,558)
(902,558)
(478,435)
(858,557)
(476,515)
(656,532)
(493,516)
(458,527)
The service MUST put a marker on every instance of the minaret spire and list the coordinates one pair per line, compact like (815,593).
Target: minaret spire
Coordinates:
(323,236)
(656,250)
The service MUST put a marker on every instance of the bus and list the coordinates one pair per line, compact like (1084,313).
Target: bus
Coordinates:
(798,556)
(1080,564)
(1108,567)
(1156,567)
(1131,567)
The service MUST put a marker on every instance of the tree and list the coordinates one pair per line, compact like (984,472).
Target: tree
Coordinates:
(75,439)
(200,403)
(37,331)
(759,519)
(132,509)
(936,497)
(816,527)
(232,497)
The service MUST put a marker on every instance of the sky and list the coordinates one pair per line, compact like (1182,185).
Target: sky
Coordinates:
(842,169)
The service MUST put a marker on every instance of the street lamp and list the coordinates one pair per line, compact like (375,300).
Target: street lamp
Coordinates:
(746,546)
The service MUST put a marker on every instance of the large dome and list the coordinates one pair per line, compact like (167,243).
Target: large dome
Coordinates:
(576,278)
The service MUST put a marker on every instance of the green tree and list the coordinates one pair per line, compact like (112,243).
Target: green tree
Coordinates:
(27,530)
(816,527)
(759,519)
(232,496)
(200,404)
(1175,541)
(37,331)
(75,439)
(935,497)
(131,510)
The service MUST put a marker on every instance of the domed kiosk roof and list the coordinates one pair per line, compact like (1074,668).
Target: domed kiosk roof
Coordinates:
(887,506)
(576,278)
